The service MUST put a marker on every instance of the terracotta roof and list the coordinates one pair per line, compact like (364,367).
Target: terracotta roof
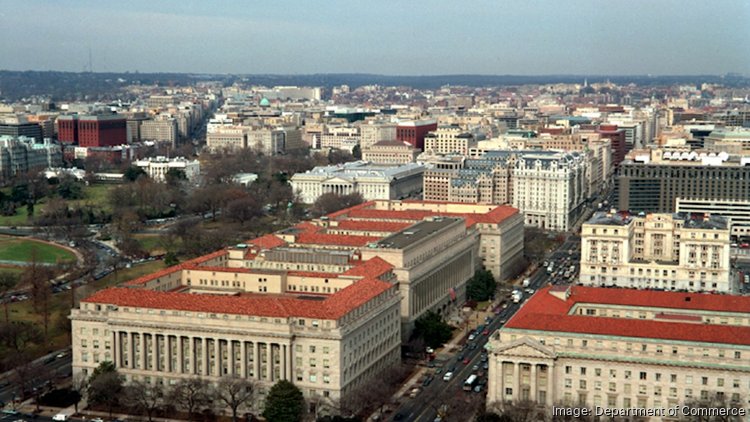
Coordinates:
(307,226)
(333,307)
(268,241)
(372,268)
(334,239)
(546,312)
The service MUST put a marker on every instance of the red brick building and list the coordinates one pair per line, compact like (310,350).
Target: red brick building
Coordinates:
(92,131)
(414,132)
(617,140)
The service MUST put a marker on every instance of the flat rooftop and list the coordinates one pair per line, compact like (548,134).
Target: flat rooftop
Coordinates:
(416,233)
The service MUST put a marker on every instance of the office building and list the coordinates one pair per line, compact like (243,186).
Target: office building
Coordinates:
(390,152)
(210,317)
(622,349)
(549,187)
(371,181)
(449,140)
(652,180)
(737,212)
(162,128)
(227,137)
(18,126)
(731,141)
(21,155)
(657,251)
(322,304)
(371,133)
(414,132)
(100,130)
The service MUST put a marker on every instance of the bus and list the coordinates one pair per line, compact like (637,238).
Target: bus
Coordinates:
(469,383)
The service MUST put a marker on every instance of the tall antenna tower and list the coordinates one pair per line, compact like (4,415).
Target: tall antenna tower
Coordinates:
(91,67)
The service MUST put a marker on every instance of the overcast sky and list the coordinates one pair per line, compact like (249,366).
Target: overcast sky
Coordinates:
(407,37)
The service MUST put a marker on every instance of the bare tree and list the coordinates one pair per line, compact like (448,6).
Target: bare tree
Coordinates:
(79,385)
(714,401)
(190,394)
(145,397)
(235,392)
(7,282)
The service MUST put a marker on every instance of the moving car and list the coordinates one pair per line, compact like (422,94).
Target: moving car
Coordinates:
(447,376)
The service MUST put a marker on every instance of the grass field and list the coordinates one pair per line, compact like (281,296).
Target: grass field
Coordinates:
(94,195)
(154,243)
(19,249)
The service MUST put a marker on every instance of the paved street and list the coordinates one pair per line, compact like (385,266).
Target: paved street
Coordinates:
(424,407)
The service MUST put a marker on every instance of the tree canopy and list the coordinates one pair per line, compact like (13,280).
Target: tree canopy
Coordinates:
(331,202)
(432,329)
(481,286)
(284,403)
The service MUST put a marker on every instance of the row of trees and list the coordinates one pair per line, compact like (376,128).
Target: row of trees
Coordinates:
(107,389)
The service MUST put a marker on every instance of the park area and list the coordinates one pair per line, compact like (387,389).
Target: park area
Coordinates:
(20,250)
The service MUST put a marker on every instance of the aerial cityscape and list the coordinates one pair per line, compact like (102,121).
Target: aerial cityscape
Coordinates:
(350,212)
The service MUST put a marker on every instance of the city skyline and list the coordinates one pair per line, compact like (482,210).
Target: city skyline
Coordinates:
(419,38)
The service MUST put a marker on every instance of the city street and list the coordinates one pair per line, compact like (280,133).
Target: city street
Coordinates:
(424,407)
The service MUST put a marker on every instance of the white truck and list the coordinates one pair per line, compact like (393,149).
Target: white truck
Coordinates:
(517,296)
(526,282)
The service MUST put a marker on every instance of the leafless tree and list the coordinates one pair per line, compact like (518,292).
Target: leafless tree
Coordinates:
(79,385)
(190,394)
(7,282)
(714,401)
(235,392)
(145,397)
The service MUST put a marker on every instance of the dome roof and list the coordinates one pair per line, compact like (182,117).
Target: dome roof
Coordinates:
(264,102)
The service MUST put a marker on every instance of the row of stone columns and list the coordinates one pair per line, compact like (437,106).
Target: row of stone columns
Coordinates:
(519,384)
(339,189)
(206,356)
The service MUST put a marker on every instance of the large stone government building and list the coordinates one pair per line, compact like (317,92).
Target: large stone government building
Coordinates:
(325,304)
(622,348)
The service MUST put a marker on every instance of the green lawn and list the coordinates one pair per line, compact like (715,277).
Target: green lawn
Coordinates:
(18,249)
(154,244)
(94,195)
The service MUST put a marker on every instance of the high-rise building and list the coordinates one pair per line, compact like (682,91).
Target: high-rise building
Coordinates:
(663,251)
(448,140)
(100,130)
(414,132)
(652,180)
(549,187)
(162,128)
(20,126)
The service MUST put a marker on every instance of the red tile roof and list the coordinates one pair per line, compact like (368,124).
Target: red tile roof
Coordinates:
(333,307)
(268,241)
(546,312)
(307,226)
(334,239)
(372,268)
